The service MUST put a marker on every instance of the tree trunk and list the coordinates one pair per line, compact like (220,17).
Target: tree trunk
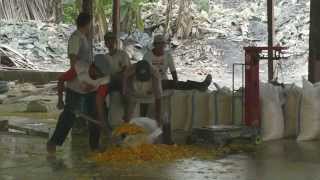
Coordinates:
(116,20)
(314,42)
(56,8)
(168,17)
(87,6)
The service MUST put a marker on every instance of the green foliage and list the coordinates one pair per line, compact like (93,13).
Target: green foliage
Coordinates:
(130,12)
(130,15)
(69,13)
(202,4)
(104,7)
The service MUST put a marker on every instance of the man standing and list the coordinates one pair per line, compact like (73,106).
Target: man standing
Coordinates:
(118,59)
(114,63)
(78,50)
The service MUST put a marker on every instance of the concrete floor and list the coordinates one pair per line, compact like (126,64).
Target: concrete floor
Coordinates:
(24,157)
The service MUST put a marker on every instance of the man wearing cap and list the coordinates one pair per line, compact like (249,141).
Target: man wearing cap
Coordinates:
(78,51)
(162,60)
(141,81)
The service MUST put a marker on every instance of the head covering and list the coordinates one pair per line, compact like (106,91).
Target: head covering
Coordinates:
(143,71)
(102,64)
(159,39)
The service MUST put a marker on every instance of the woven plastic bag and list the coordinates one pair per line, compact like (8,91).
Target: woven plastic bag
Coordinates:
(271,112)
(310,114)
(152,132)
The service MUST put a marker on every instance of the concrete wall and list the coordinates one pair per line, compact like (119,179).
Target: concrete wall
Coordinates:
(29,76)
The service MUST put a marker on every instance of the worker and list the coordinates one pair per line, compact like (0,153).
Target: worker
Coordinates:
(78,51)
(118,59)
(115,63)
(143,81)
(162,60)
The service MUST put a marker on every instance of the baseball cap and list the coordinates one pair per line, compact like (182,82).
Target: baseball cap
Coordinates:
(143,71)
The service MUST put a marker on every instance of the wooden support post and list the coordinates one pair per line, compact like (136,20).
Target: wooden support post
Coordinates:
(116,20)
(87,7)
(270,14)
(314,42)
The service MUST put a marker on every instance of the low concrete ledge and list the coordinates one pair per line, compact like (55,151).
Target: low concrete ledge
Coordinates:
(29,76)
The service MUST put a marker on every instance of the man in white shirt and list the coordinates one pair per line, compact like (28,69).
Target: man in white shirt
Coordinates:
(78,50)
(118,60)
(141,81)
(162,60)
(115,63)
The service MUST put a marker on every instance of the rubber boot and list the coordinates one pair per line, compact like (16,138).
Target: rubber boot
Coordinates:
(201,86)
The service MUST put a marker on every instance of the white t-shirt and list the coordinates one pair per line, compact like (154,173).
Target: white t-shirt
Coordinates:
(118,61)
(78,45)
(161,63)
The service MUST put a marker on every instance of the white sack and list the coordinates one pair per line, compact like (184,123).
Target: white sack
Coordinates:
(292,110)
(271,112)
(310,113)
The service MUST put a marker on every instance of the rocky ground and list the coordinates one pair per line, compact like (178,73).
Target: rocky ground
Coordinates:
(217,38)
(28,100)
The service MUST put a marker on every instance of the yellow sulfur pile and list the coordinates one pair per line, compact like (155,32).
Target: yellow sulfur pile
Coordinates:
(151,152)
(129,129)
(164,153)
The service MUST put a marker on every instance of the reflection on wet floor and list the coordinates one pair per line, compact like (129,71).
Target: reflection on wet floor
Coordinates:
(24,157)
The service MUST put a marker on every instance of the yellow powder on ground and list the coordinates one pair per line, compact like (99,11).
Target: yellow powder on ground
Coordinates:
(163,153)
(151,152)
(129,129)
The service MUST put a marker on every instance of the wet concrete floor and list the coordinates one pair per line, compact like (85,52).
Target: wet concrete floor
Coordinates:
(24,157)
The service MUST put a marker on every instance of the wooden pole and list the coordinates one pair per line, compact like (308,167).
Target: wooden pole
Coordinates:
(314,42)
(87,7)
(270,14)
(116,20)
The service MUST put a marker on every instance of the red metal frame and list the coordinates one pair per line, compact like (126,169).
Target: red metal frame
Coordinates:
(252,101)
